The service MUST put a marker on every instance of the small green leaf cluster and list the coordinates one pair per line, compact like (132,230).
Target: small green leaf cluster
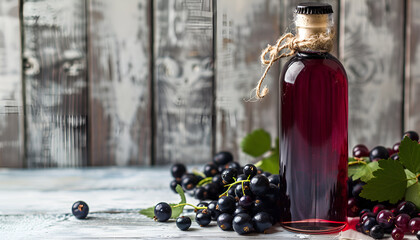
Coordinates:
(258,145)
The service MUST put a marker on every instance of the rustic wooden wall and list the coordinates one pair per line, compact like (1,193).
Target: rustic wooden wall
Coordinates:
(119,82)
(140,82)
(372,51)
(54,56)
(11,107)
(183,80)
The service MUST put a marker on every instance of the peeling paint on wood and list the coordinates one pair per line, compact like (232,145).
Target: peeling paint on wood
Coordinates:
(183,71)
(243,28)
(372,40)
(412,80)
(55,82)
(119,93)
(11,110)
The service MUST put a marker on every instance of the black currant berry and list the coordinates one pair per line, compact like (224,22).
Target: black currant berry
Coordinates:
(262,221)
(162,212)
(259,185)
(200,193)
(360,150)
(173,185)
(213,211)
(250,170)
(241,177)
(183,223)
(240,209)
(189,181)
(226,204)
(368,225)
(274,179)
(377,232)
(395,157)
(178,169)
(245,201)
(242,224)
(222,158)
(229,175)
(210,170)
(224,221)
(203,218)
(234,165)
(378,152)
(80,209)
(240,190)
(407,207)
(412,135)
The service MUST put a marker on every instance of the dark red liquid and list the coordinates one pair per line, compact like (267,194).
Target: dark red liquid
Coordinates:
(313,163)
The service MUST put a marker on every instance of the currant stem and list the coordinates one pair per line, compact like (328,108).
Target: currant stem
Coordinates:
(204,181)
(231,185)
(187,204)
(358,161)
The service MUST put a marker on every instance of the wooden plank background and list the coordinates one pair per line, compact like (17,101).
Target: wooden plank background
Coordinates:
(119,82)
(146,82)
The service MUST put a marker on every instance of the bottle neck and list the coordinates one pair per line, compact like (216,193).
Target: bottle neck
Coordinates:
(312,25)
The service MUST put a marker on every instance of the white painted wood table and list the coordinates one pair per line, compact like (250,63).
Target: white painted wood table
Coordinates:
(36,204)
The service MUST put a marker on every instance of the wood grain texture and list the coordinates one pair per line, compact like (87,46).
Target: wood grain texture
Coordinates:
(243,29)
(372,40)
(11,110)
(55,82)
(412,80)
(183,80)
(119,82)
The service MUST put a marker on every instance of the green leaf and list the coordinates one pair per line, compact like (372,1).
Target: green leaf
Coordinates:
(256,143)
(353,169)
(365,171)
(410,154)
(411,177)
(176,211)
(413,194)
(270,164)
(389,182)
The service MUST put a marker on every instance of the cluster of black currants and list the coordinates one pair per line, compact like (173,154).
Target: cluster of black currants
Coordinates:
(376,219)
(244,199)
(397,221)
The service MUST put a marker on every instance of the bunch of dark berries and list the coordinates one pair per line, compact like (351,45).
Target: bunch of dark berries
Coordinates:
(244,199)
(377,219)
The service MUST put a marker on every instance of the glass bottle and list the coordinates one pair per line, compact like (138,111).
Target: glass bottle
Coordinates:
(313,131)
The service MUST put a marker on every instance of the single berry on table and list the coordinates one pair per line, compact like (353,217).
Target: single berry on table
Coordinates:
(412,135)
(203,218)
(242,224)
(224,221)
(397,234)
(80,209)
(360,150)
(178,169)
(379,152)
(259,185)
(222,158)
(162,212)
(377,232)
(183,223)
(262,222)
(385,218)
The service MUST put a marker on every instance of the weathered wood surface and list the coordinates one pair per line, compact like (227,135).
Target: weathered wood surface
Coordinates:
(412,80)
(372,40)
(11,108)
(183,80)
(39,207)
(54,51)
(119,82)
(243,28)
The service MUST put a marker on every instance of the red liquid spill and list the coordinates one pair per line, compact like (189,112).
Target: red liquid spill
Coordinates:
(313,163)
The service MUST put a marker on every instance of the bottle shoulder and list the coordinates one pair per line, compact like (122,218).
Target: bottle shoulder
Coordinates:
(313,62)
